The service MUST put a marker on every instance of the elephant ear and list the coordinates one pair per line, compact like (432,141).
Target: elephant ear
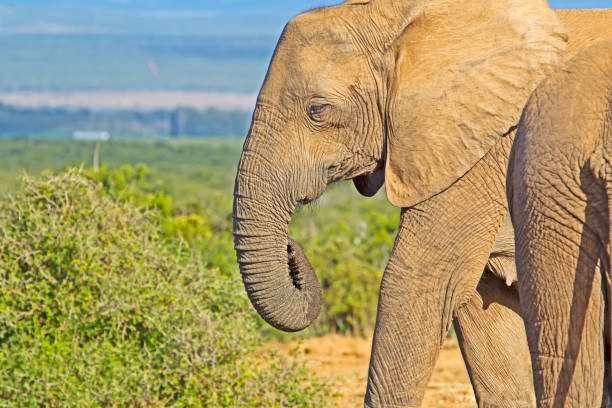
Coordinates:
(463,71)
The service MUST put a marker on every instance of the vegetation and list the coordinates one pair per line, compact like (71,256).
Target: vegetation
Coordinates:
(100,307)
(347,237)
(177,122)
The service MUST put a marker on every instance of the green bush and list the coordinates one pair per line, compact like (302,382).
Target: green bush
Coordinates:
(347,242)
(98,308)
(347,237)
(204,227)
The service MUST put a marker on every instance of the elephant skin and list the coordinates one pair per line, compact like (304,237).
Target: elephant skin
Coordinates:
(560,195)
(423,96)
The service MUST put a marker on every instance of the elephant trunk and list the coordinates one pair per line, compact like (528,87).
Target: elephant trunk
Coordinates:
(277,276)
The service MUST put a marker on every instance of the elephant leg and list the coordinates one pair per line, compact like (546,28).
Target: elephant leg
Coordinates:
(438,258)
(491,335)
(559,259)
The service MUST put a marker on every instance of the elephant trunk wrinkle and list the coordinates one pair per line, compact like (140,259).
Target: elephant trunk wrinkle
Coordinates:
(277,275)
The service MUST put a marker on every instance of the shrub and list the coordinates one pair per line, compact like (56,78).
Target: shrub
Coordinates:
(348,255)
(348,238)
(204,227)
(97,308)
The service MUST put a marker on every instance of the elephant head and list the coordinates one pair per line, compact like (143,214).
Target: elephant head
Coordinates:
(411,93)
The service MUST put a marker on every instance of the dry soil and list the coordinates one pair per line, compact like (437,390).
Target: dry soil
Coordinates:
(344,362)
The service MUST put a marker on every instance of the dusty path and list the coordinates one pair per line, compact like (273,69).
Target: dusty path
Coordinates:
(344,361)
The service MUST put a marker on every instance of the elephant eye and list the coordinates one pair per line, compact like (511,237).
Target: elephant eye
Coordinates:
(316,110)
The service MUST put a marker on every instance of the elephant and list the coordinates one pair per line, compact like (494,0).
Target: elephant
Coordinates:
(422,96)
(559,187)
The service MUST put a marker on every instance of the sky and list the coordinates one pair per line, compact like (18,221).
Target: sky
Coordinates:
(172,17)
(234,5)
(149,44)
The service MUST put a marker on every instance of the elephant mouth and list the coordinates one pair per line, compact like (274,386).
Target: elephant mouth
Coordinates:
(295,274)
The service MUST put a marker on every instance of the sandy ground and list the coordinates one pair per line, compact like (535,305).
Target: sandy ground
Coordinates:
(344,361)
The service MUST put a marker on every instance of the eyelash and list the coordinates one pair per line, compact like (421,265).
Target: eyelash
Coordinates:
(316,109)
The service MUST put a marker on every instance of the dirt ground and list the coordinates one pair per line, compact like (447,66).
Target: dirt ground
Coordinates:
(344,361)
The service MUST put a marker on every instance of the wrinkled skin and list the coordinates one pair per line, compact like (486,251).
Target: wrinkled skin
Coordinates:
(423,96)
(560,195)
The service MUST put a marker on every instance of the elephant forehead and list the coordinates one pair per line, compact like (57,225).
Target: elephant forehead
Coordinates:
(330,69)
(325,25)
(311,70)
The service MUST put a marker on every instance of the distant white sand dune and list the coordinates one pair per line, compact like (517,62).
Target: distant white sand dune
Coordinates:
(141,100)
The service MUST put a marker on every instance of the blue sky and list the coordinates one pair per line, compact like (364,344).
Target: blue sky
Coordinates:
(235,5)
(109,44)
(580,3)
(188,17)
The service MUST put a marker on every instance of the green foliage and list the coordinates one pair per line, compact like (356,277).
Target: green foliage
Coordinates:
(349,254)
(347,237)
(190,222)
(99,308)
(133,184)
